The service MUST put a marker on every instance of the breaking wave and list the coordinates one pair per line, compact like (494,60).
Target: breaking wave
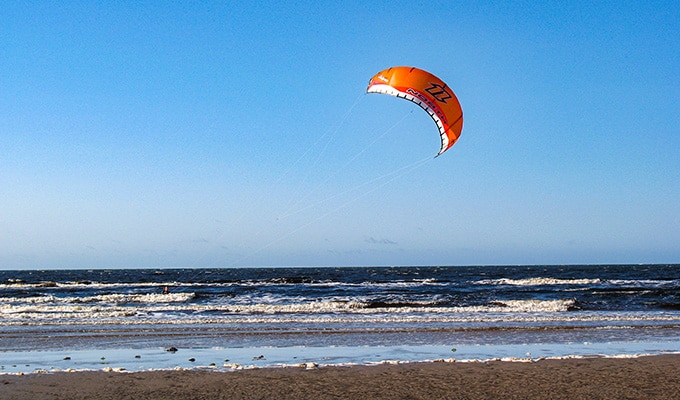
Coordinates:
(538,281)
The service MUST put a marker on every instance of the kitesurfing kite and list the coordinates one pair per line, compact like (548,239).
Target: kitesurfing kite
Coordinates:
(429,92)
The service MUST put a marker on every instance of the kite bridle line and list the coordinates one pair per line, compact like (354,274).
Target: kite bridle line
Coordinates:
(290,210)
(328,135)
(397,174)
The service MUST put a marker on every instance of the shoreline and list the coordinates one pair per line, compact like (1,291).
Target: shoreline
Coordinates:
(648,377)
(224,359)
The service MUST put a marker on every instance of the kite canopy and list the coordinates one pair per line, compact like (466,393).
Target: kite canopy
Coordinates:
(429,92)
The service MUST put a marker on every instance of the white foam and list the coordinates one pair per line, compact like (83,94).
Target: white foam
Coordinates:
(50,308)
(147,298)
(538,281)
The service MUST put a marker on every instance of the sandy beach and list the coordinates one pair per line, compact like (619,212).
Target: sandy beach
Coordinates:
(651,377)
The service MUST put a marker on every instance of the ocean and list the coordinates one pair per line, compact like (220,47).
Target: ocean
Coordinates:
(138,319)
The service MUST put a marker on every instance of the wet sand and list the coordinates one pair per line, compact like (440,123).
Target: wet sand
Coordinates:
(652,377)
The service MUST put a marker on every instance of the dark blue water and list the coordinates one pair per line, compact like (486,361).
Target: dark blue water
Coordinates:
(337,306)
(591,287)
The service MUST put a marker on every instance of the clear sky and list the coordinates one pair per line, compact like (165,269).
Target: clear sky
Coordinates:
(237,133)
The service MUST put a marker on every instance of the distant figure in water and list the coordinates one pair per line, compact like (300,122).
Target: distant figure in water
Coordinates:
(166,290)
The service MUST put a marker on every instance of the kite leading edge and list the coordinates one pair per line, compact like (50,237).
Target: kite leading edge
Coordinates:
(429,92)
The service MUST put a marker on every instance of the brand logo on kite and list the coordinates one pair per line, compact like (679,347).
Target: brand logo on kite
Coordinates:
(439,92)
(427,104)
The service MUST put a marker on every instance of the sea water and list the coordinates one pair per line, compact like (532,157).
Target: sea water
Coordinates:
(223,318)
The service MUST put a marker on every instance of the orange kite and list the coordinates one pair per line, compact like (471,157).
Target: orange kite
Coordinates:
(429,92)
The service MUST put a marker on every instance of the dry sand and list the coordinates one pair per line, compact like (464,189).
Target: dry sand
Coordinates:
(653,377)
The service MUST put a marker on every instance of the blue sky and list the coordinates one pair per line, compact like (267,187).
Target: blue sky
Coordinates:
(225,134)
